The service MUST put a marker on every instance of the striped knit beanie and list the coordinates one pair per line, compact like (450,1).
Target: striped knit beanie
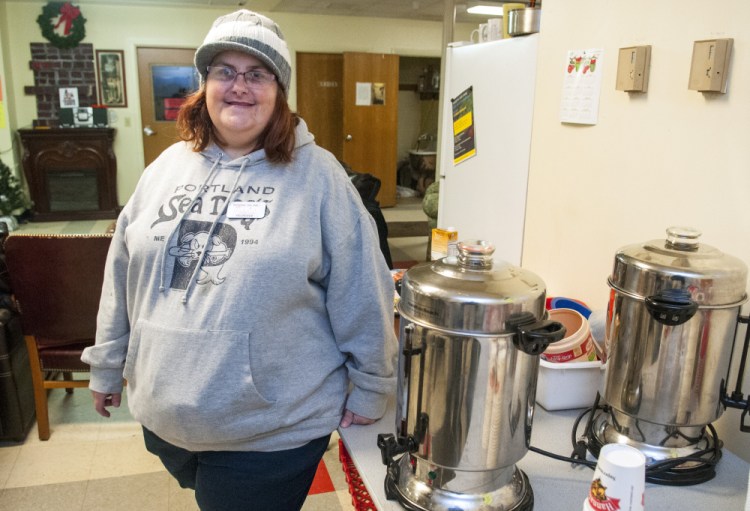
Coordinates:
(250,33)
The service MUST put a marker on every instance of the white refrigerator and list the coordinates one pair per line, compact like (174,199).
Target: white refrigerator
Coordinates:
(484,196)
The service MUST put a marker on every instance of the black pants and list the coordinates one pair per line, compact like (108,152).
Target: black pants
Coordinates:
(239,480)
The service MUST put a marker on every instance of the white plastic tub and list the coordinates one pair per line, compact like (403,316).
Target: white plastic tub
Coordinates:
(567,385)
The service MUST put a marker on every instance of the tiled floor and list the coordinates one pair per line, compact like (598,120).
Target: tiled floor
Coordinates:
(91,463)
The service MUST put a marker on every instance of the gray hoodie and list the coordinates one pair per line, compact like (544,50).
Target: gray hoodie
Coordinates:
(246,303)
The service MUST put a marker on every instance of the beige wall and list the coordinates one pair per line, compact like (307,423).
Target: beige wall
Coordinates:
(6,134)
(668,157)
(115,27)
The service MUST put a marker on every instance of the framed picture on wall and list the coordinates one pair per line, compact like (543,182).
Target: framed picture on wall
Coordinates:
(68,97)
(111,78)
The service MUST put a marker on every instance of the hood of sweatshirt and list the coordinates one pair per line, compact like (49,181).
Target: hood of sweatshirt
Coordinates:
(214,153)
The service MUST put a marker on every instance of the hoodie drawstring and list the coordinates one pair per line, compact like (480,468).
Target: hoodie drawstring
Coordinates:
(196,270)
(201,190)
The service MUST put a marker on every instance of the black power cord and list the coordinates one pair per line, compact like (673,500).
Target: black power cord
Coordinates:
(578,457)
(696,468)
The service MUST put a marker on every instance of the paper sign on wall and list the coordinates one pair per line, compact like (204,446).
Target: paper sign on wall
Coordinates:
(582,85)
(364,94)
(464,140)
(378,93)
(68,97)
(369,93)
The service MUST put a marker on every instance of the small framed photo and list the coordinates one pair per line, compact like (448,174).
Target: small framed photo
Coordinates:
(68,97)
(111,78)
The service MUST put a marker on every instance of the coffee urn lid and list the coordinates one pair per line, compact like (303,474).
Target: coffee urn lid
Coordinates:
(711,277)
(471,293)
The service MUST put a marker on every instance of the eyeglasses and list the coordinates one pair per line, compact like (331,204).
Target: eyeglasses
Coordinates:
(253,77)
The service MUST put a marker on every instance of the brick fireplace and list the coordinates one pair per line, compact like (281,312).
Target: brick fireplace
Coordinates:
(71,173)
(55,68)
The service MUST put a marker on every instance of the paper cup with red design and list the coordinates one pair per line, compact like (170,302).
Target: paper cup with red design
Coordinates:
(619,481)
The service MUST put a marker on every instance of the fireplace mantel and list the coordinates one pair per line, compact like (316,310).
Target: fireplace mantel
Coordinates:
(71,173)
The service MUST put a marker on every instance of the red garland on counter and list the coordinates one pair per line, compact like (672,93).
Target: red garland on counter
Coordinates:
(69,17)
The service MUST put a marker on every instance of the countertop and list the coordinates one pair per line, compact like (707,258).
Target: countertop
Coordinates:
(558,486)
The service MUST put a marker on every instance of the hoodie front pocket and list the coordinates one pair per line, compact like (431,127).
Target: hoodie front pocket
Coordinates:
(194,385)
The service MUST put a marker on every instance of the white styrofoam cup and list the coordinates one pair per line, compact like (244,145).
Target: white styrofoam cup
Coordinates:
(619,481)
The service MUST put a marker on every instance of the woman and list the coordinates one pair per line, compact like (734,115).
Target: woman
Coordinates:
(245,291)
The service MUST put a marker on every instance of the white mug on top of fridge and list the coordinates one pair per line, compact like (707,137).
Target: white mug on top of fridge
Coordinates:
(495,29)
(482,33)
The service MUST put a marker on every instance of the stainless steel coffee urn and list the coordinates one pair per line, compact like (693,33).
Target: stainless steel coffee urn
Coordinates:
(471,331)
(672,320)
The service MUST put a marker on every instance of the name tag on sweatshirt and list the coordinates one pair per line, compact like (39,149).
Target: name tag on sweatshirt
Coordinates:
(246,210)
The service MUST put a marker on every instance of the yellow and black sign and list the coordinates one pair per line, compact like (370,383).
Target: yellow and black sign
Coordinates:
(464,141)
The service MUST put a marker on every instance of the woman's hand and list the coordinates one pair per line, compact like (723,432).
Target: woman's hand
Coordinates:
(102,401)
(350,418)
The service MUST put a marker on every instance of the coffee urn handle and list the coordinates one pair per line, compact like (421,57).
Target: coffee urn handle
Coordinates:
(737,398)
(671,307)
(532,336)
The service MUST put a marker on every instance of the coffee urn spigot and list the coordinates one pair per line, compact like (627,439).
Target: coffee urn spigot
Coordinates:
(390,446)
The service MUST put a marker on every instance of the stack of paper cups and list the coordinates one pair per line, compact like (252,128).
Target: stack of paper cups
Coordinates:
(619,481)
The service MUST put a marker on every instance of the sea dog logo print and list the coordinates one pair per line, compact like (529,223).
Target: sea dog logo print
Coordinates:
(598,499)
(192,241)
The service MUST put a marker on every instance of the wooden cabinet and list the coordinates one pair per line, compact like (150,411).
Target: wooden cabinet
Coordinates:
(71,173)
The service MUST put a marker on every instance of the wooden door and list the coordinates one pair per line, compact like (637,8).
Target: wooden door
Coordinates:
(165,77)
(320,100)
(371,118)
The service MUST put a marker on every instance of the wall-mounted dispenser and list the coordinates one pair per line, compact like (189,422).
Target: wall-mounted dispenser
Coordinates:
(710,65)
(633,69)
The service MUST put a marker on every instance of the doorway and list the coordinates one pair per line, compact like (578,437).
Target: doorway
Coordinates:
(320,101)
(419,106)
(165,77)
(350,103)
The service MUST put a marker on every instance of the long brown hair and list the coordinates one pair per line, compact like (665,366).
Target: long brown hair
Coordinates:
(195,125)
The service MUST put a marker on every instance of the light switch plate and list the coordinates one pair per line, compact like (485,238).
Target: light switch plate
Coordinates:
(633,69)
(710,65)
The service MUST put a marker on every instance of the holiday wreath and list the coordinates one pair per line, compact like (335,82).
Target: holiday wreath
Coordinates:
(71,20)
